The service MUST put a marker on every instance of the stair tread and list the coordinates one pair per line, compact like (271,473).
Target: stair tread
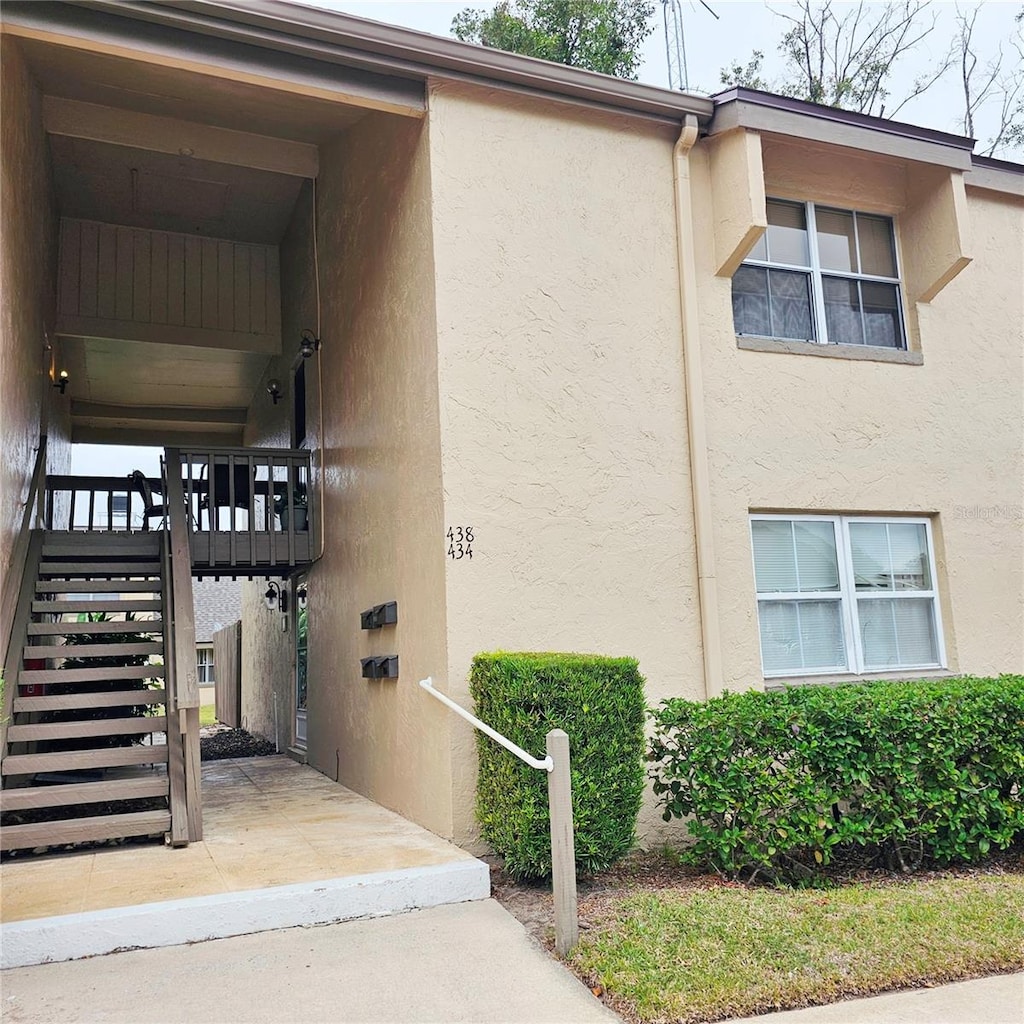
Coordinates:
(71,628)
(98,674)
(107,568)
(71,701)
(103,604)
(112,650)
(103,757)
(134,726)
(65,794)
(98,587)
(84,830)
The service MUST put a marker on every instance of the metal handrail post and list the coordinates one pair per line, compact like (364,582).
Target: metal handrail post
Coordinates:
(563,846)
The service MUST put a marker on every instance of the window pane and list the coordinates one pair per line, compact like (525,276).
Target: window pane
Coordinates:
(842,311)
(790,305)
(869,544)
(801,635)
(750,301)
(890,556)
(792,556)
(817,566)
(897,631)
(774,557)
(760,250)
(837,247)
(877,253)
(787,233)
(882,314)
(909,545)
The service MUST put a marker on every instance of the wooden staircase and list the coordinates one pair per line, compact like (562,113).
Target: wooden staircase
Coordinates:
(86,753)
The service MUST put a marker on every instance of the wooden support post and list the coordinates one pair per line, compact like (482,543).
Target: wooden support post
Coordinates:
(193,777)
(563,847)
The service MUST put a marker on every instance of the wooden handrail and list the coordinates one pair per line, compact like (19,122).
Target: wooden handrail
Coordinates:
(16,566)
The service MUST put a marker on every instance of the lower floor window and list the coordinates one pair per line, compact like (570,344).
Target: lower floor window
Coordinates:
(204,662)
(845,594)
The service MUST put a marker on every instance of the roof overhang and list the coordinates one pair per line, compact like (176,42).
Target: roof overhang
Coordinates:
(328,43)
(782,115)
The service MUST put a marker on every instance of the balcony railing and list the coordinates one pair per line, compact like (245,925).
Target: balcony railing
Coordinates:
(248,509)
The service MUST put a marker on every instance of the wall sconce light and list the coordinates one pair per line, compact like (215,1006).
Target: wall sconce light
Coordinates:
(301,596)
(61,383)
(274,390)
(309,344)
(276,598)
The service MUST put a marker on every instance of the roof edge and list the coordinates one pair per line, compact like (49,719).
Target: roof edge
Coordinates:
(837,115)
(397,50)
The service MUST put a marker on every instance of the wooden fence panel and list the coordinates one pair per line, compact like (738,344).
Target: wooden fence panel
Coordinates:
(227,674)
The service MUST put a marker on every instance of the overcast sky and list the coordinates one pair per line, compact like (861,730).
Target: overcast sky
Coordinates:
(740,28)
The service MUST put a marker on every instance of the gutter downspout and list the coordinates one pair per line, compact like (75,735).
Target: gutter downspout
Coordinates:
(700,486)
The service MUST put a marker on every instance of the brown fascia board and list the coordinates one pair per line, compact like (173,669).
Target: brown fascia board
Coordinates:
(390,50)
(783,115)
(996,175)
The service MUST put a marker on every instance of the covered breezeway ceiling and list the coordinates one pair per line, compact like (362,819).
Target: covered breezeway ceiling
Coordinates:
(178,165)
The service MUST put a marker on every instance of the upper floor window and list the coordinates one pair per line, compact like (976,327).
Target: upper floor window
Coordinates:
(823,275)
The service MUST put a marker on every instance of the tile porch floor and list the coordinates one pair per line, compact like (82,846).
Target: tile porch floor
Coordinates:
(267,821)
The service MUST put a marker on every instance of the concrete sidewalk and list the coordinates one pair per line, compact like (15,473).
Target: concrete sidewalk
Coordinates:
(998,1000)
(469,962)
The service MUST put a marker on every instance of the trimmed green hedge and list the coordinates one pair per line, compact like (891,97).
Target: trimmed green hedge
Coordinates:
(599,702)
(779,783)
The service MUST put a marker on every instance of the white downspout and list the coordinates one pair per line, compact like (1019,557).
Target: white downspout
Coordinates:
(700,486)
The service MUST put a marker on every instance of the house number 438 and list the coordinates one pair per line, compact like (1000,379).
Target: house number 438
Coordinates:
(460,542)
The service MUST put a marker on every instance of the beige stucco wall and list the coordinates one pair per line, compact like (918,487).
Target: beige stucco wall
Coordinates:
(27,276)
(563,420)
(798,432)
(502,351)
(381,469)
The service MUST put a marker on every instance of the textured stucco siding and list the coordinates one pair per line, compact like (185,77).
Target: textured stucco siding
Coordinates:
(790,432)
(563,423)
(27,281)
(381,474)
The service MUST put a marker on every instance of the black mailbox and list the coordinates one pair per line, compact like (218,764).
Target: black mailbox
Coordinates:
(379,615)
(382,667)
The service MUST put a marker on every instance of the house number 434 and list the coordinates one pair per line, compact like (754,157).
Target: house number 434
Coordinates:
(460,542)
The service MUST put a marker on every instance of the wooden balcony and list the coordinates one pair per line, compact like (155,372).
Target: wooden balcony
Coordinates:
(247,509)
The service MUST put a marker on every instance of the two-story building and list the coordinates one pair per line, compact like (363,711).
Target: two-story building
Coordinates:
(734,385)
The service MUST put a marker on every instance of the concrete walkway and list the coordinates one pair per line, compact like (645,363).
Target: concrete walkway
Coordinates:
(469,962)
(998,1000)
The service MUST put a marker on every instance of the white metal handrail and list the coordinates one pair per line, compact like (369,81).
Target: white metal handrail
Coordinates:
(545,764)
(563,846)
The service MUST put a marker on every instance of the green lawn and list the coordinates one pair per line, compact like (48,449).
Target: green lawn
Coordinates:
(207,715)
(703,954)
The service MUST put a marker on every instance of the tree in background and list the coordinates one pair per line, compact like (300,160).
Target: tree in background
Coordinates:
(844,55)
(600,35)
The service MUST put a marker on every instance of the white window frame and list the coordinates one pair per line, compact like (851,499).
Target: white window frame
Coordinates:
(207,665)
(849,596)
(819,322)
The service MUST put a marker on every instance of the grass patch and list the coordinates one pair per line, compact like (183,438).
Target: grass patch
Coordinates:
(691,954)
(207,715)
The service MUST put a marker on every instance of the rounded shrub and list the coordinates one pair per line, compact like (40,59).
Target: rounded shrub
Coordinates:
(599,702)
(778,784)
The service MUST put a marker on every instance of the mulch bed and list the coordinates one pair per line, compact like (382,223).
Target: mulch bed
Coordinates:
(218,743)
